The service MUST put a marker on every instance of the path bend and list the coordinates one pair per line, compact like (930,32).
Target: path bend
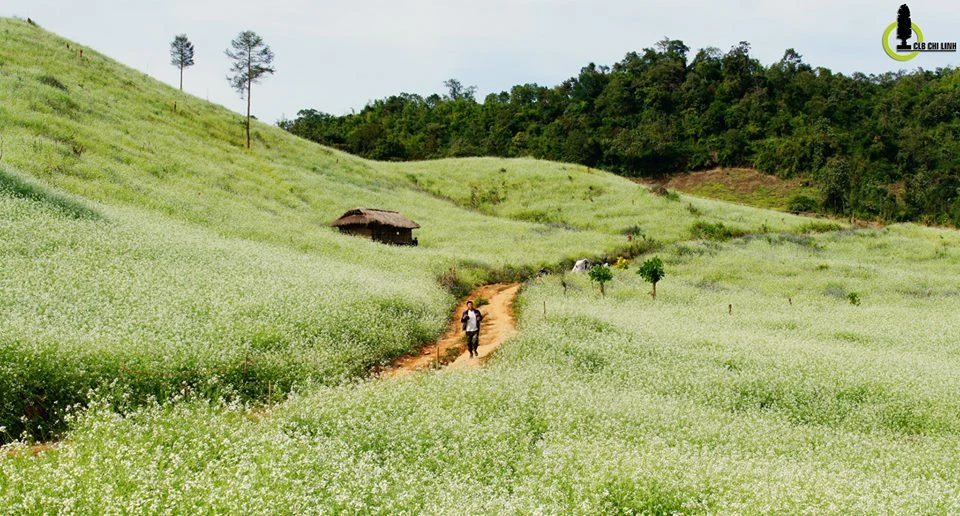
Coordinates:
(498,325)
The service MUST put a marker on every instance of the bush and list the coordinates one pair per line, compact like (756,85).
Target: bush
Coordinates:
(801,204)
(715,231)
(818,227)
(652,271)
(662,191)
(634,231)
(601,275)
(454,284)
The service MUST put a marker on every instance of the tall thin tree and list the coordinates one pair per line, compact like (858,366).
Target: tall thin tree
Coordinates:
(181,54)
(251,61)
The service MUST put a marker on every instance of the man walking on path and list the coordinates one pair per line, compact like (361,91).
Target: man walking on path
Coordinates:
(471,324)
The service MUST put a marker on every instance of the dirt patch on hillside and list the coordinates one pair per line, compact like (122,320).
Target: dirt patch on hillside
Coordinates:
(33,449)
(498,325)
(744,185)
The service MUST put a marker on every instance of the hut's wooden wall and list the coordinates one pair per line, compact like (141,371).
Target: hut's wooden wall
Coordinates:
(386,234)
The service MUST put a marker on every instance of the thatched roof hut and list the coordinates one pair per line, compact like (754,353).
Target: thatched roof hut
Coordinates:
(381,225)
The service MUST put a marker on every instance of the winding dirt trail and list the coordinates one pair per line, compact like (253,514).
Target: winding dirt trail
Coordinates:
(498,325)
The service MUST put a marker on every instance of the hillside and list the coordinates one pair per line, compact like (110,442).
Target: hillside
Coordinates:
(110,134)
(176,313)
(743,185)
(273,297)
(879,146)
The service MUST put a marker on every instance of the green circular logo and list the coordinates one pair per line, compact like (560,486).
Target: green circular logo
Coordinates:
(890,52)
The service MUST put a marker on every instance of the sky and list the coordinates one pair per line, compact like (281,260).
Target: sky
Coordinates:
(337,56)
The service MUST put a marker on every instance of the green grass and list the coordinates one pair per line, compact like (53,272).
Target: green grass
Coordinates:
(131,182)
(113,135)
(575,196)
(154,269)
(149,240)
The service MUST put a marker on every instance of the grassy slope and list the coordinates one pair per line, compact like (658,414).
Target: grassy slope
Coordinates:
(608,405)
(128,297)
(165,170)
(203,256)
(111,134)
(576,196)
(114,135)
(176,165)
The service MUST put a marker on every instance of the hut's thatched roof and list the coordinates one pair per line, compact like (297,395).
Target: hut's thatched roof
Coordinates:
(373,216)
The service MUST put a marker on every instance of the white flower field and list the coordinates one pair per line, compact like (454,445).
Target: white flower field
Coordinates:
(181,332)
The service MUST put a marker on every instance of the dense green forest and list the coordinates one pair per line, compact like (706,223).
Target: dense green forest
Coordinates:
(879,146)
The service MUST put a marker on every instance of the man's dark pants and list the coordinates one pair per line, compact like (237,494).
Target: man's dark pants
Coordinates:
(473,341)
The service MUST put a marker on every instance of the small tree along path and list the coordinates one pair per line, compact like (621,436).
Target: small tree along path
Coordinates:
(497,326)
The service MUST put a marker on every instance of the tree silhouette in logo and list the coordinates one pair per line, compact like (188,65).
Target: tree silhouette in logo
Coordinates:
(903,27)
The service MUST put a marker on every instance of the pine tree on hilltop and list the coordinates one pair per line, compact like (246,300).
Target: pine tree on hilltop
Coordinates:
(181,54)
(904,31)
(251,60)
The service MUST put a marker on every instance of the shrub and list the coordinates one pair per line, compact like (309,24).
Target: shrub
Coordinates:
(480,196)
(801,204)
(652,271)
(714,231)
(454,284)
(663,192)
(601,275)
(818,227)
(634,231)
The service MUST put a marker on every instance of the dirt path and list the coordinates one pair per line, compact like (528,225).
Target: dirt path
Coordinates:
(498,325)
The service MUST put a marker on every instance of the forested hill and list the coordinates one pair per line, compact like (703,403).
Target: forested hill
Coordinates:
(880,146)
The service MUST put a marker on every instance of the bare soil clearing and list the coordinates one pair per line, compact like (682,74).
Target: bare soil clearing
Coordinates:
(498,325)
(33,449)
(740,185)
